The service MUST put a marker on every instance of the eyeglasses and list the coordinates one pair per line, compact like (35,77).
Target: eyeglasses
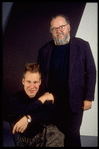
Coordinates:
(61,28)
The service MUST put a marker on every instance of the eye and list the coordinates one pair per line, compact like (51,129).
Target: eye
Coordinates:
(35,82)
(54,29)
(62,27)
(28,81)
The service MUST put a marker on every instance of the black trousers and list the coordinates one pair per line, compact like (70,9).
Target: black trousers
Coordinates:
(72,133)
(69,124)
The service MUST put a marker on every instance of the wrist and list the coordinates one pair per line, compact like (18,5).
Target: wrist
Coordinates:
(41,99)
(28,117)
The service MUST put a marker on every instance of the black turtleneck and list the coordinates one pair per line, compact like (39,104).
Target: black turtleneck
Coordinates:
(40,113)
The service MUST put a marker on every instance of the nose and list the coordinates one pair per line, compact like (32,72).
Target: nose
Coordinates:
(58,31)
(32,85)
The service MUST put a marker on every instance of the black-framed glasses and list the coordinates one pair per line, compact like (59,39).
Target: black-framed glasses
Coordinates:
(61,28)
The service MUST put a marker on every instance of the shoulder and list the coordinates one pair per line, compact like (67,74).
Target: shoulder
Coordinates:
(78,41)
(48,45)
(45,50)
(81,45)
(19,93)
(17,96)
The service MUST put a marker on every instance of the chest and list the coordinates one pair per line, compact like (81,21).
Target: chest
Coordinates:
(59,57)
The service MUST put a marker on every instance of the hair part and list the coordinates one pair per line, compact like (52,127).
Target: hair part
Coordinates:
(32,67)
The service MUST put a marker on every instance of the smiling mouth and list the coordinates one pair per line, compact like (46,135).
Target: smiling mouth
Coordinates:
(31,91)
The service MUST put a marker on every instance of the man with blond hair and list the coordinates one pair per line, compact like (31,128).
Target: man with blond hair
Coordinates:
(33,111)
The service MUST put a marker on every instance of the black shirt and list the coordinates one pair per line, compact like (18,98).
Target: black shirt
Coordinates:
(58,75)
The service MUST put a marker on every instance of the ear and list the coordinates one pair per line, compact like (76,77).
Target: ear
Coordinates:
(23,81)
(68,26)
(40,81)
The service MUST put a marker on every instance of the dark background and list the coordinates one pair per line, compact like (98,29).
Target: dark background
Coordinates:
(26,31)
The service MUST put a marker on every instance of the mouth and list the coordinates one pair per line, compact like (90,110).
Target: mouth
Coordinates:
(31,91)
(59,35)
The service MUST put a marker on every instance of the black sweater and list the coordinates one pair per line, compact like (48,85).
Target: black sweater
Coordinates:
(59,69)
(40,113)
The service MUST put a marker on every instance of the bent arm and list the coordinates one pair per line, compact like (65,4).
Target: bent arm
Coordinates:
(42,117)
(21,108)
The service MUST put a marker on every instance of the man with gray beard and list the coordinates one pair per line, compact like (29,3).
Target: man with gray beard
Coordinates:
(60,37)
(69,72)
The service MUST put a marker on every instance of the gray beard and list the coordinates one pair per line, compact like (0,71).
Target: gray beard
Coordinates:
(61,41)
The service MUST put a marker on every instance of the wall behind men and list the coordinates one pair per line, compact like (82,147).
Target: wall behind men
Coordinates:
(88,30)
(26,31)
(6,10)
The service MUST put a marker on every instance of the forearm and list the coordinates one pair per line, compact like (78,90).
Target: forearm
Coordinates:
(22,109)
(33,107)
(44,116)
(21,125)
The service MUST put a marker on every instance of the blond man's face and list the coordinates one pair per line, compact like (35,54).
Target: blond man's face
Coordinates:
(31,83)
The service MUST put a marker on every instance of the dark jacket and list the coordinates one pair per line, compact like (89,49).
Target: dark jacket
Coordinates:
(40,113)
(82,71)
